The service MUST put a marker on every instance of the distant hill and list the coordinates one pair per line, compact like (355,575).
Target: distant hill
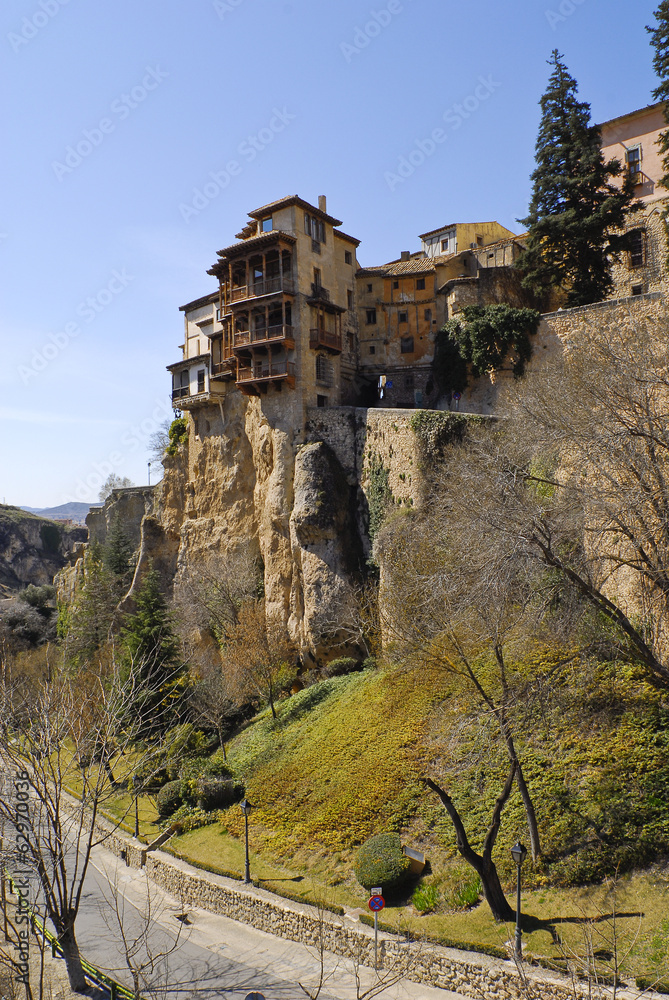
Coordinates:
(66,512)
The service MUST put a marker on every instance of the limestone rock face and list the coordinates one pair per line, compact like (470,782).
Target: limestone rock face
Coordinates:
(33,549)
(326,553)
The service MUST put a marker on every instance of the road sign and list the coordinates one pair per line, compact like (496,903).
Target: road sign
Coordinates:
(456,395)
(376,903)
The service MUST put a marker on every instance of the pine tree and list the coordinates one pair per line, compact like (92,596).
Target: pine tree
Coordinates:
(118,549)
(151,651)
(576,214)
(660,42)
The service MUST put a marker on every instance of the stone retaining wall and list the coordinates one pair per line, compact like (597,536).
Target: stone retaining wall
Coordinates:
(475,976)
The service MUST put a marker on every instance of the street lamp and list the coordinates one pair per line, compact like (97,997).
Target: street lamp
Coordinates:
(518,853)
(246,809)
(137,784)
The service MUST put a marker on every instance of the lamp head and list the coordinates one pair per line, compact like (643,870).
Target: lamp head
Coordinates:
(518,853)
(246,806)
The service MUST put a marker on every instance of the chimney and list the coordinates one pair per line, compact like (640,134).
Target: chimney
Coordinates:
(322,203)
(405,255)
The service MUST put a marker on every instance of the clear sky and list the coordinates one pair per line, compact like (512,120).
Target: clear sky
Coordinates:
(116,114)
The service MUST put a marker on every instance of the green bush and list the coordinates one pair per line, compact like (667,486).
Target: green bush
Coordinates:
(169,799)
(178,435)
(341,666)
(380,862)
(217,794)
(425,898)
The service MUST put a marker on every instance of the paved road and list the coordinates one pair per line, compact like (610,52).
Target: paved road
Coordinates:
(213,955)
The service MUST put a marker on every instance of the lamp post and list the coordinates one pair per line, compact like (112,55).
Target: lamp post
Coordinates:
(518,853)
(137,784)
(246,809)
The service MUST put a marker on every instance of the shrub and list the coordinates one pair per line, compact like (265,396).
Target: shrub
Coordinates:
(217,794)
(178,435)
(380,862)
(169,799)
(465,894)
(341,666)
(425,898)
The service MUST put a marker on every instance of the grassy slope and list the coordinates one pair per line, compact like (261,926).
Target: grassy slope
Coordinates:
(343,761)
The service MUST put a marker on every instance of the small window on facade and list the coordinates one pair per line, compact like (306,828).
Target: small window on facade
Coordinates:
(369,288)
(637,289)
(420,284)
(428,315)
(349,298)
(321,400)
(404,317)
(406,345)
(371,317)
(266,225)
(396,284)
(317,277)
(637,248)
(348,257)
(444,246)
(200,380)
(633,157)
(307,224)
(479,241)
(372,349)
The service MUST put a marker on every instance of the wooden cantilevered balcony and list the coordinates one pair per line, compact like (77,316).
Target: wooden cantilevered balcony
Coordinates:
(278,334)
(227,368)
(265,371)
(269,286)
(327,339)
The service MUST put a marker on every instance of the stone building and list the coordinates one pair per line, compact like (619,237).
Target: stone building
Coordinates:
(633,139)
(283,320)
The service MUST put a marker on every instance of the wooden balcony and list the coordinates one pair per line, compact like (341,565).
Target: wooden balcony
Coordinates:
(266,371)
(227,368)
(184,399)
(325,339)
(318,293)
(279,334)
(256,289)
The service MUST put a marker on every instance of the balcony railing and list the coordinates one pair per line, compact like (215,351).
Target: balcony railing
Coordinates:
(268,286)
(262,370)
(245,338)
(225,367)
(181,392)
(324,338)
(319,292)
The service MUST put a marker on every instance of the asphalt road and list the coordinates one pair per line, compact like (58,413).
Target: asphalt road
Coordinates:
(209,955)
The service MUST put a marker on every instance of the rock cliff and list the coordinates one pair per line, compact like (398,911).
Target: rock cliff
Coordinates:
(33,549)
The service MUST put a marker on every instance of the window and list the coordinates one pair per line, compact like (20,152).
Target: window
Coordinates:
(317,277)
(633,158)
(637,248)
(444,246)
(396,284)
(371,317)
(369,288)
(428,315)
(266,226)
(420,284)
(200,380)
(315,228)
(406,345)
(372,349)
(324,370)
(637,289)
(403,317)
(321,400)
(349,298)
(479,241)
(348,257)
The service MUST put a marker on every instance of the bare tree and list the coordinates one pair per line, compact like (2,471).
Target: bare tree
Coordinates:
(212,702)
(57,736)
(257,655)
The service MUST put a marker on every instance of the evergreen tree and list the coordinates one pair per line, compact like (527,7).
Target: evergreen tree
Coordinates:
(576,214)
(118,549)
(151,651)
(660,42)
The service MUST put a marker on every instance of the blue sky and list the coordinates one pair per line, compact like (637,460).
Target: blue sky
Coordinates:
(117,114)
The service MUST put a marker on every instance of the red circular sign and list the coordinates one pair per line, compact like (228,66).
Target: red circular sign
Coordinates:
(376,903)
